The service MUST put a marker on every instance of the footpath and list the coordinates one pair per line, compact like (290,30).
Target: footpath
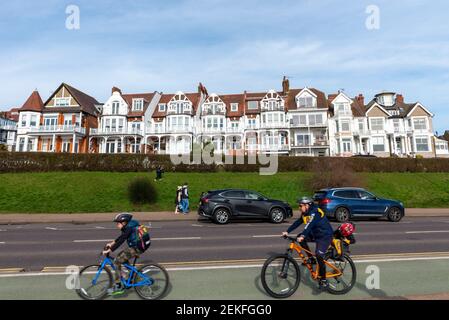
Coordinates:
(30,218)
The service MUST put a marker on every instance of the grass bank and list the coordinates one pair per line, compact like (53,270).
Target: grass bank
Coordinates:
(72,192)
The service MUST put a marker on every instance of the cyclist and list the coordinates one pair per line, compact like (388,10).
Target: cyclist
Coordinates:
(127,226)
(317,229)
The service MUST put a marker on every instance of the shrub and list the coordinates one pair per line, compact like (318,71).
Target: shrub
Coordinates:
(142,191)
(333,174)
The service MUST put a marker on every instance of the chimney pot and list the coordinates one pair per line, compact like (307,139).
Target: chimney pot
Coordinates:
(399,98)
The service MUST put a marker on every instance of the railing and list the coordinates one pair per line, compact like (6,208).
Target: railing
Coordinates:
(274,147)
(213,113)
(306,125)
(213,130)
(233,130)
(179,129)
(8,128)
(267,109)
(110,131)
(344,113)
(251,127)
(58,129)
(362,133)
(316,143)
(266,125)
(175,112)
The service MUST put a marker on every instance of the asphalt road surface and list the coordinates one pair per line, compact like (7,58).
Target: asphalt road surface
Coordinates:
(36,247)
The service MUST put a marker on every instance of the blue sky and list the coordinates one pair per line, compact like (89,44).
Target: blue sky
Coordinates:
(230,46)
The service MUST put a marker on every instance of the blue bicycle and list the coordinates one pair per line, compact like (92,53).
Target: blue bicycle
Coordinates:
(149,281)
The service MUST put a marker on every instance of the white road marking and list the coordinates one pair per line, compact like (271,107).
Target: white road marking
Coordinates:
(154,239)
(50,228)
(196,225)
(100,228)
(430,231)
(268,236)
(2,242)
(37,274)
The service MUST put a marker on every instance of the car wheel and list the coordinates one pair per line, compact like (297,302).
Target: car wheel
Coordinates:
(277,215)
(342,214)
(222,216)
(394,214)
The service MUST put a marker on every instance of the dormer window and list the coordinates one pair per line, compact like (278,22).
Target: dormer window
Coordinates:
(162,107)
(234,107)
(305,101)
(62,102)
(137,104)
(253,105)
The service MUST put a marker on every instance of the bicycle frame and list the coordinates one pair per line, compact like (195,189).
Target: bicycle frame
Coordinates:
(128,283)
(315,274)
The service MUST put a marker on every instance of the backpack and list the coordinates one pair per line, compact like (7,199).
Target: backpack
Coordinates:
(142,239)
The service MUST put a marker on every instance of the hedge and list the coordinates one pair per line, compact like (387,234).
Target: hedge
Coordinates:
(45,162)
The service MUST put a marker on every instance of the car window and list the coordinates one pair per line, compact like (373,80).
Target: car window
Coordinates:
(319,195)
(251,195)
(233,194)
(365,195)
(347,194)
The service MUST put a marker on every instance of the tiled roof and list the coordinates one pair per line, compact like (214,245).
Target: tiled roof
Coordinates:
(33,103)
(165,98)
(234,98)
(147,98)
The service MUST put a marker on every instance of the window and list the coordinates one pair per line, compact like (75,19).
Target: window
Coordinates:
(253,105)
(361,125)
(234,107)
(347,146)
(138,104)
(251,123)
(344,126)
(396,125)
(347,194)
(378,144)
(422,144)
(419,124)
(33,121)
(365,195)
(66,146)
(24,121)
(162,107)
(251,195)
(21,144)
(302,139)
(120,124)
(50,122)
(305,102)
(62,102)
(233,194)
(115,107)
(377,124)
(315,119)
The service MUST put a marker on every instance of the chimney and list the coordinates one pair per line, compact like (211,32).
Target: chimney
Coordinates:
(399,98)
(115,89)
(285,86)
(361,99)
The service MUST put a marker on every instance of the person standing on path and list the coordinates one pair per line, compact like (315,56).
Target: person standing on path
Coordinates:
(159,172)
(185,198)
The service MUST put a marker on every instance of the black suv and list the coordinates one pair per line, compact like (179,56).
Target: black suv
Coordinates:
(222,205)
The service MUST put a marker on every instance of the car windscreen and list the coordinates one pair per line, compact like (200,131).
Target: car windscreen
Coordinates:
(233,194)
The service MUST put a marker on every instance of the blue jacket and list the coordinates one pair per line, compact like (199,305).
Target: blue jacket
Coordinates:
(128,234)
(317,225)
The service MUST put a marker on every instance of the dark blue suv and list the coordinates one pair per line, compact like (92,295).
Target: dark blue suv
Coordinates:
(344,204)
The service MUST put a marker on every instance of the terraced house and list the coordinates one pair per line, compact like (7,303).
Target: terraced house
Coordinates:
(302,121)
(61,124)
(8,130)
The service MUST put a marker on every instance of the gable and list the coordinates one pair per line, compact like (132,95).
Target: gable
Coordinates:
(375,111)
(342,98)
(418,111)
(61,93)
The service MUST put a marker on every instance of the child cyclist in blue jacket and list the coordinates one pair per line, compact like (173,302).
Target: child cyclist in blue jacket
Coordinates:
(135,247)
(318,229)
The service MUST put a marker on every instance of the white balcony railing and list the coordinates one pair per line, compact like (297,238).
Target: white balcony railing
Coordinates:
(213,130)
(116,131)
(8,128)
(58,129)
(274,147)
(267,125)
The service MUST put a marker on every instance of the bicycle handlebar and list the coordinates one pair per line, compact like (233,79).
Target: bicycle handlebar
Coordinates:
(290,238)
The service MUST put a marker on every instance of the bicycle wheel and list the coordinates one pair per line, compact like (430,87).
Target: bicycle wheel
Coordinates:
(344,283)
(94,285)
(280,276)
(157,281)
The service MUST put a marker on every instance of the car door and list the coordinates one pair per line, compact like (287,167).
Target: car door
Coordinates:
(235,199)
(350,199)
(369,205)
(255,204)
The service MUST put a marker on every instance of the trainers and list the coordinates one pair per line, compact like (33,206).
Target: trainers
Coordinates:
(323,285)
(116,290)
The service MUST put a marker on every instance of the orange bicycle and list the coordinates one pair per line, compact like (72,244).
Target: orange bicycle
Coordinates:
(281,274)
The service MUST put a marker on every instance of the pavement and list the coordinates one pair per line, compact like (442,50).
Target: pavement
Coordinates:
(26,218)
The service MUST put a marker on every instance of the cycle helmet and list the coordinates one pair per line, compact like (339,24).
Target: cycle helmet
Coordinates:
(346,229)
(305,200)
(123,217)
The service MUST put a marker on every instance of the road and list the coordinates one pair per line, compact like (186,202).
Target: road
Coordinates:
(206,261)
(35,247)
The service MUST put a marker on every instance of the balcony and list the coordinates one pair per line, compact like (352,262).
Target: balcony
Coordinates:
(343,113)
(179,129)
(116,131)
(213,113)
(175,112)
(8,128)
(69,129)
(233,130)
(212,130)
(307,125)
(273,125)
(268,109)
(361,133)
(274,147)
(316,143)
(251,127)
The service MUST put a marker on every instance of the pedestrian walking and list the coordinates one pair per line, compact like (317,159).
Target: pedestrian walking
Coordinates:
(178,200)
(159,171)
(185,198)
